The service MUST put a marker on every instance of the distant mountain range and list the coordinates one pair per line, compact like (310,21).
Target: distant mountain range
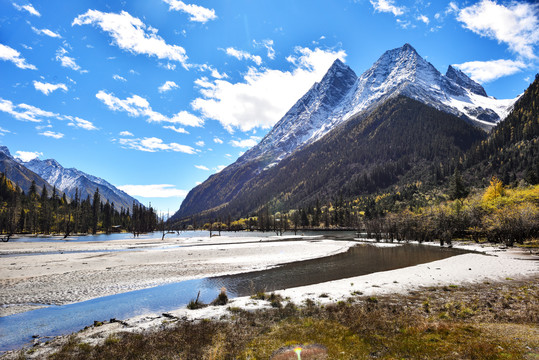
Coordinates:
(355,135)
(49,173)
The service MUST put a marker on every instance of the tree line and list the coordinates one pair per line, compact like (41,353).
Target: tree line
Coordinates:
(497,214)
(41,213)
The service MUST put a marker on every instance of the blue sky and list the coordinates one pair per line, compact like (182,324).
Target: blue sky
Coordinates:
(156,95)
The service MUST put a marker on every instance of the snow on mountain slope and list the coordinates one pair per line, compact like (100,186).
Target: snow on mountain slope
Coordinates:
(69,180)
(403,71)
(310,118)
(341,95)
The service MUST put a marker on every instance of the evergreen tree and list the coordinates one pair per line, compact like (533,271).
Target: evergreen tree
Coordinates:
(457,188)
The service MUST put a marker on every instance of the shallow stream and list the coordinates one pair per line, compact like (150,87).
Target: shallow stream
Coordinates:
(19,329)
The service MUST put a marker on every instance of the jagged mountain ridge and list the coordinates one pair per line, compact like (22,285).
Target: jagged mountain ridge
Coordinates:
(339,97)
(19,174)
(68,180)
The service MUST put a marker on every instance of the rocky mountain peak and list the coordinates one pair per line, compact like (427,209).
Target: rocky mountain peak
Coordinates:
(5,150)
(463,80)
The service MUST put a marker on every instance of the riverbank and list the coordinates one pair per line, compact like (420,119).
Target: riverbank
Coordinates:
(37,274)
(493,265)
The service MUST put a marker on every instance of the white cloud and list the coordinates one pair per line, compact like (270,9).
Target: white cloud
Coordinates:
(246,143)
(243,55)
(217,140)
(24,112)
(119,78)
(28,155)
(126,133)
(154,144)
(268,44)
(131,34)
(516,24)
(4,131)
(202,167)
(264,95)
(138,106)
(179,130)
(52,134)
(387,6)
(46,32)
(167,86)
(78,122)
(27,7)
(423,18)
(153,191)
(216,74)
(219,168)
(9,54)
(198,13)
(67,61)
(485,71)
(47,88)
(200,143)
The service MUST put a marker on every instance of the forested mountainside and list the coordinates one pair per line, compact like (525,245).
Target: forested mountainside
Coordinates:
(511,151)
(401,141)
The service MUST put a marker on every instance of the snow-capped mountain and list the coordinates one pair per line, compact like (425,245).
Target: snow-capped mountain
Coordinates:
(69,180)
(18,173)
(310,118)
(337,99)
(341,95)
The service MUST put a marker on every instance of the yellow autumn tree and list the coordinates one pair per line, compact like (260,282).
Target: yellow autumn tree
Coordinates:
(495,190)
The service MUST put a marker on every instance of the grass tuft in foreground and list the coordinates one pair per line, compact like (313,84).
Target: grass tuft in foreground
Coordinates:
(487,321)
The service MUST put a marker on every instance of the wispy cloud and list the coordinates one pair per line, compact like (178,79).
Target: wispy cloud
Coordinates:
(9,54)
(119,78)
(515,24)
(131,34)
(268,44)
(167,86)
(28,155)
(200,143)
(140,107)
(47,88)
(270,92)
(28,7)
(25,112)
(197,13)
(78,122)
(153,191)
(387,6)
(245,143)
(217,140)
(243,55)
(219,168)
(423,18)
(46,32)
(179,130)
(153,144)
(67,61)
(202,167)
(485,71)
(126,133)
(52,134)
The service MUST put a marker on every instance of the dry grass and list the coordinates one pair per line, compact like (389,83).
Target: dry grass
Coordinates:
(488,321)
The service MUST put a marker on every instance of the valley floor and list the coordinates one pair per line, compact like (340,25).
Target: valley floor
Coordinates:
(91,269)
(34,274)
